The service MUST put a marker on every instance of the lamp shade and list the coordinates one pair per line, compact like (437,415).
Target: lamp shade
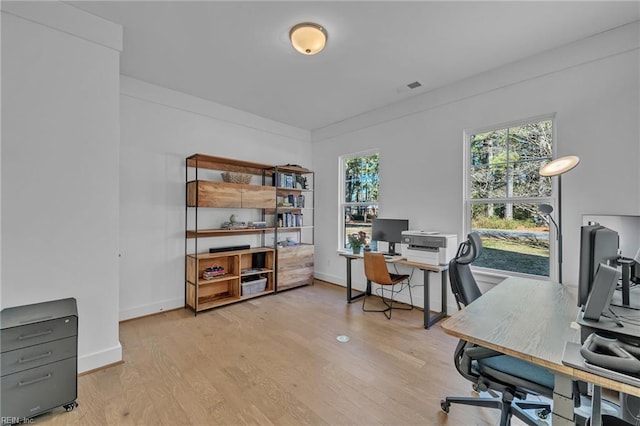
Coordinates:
(308,38)
(559,166)
(545,208)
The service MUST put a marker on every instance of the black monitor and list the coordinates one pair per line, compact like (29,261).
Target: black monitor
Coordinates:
(389,230)
(598,244)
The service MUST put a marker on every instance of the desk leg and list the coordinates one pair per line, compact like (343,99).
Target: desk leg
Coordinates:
(563,401)
(350,296)
(596,401)
(429,319)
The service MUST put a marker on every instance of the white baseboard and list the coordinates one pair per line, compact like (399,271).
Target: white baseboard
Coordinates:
(153,308)
(100,359)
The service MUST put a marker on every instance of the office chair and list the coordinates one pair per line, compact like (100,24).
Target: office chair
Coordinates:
(489,370)
(375,269)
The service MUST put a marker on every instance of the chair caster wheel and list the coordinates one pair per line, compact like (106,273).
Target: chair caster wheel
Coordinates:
(445,406)
(543,413)
(71,406)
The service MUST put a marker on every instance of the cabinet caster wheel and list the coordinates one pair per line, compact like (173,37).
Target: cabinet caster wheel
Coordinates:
(445,406)
(71,406)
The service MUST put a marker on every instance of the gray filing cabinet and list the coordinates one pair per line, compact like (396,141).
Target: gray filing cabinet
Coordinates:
(38,359)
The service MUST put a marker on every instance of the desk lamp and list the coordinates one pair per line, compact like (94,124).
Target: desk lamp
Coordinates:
(558,167)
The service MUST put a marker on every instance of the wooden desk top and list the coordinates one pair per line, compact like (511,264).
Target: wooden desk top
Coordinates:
(527,319)
(399,260)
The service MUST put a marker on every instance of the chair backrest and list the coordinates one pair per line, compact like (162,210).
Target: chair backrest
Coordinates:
(375,268)
(463,284)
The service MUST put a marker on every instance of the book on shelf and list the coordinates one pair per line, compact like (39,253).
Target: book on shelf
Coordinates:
(290,220)
(285,180)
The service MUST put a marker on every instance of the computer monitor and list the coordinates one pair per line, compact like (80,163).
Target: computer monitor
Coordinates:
(598,244)
(390,231)
(604,284)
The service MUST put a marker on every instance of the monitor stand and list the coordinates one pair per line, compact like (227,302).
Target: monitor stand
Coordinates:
(624,299)
(392,250)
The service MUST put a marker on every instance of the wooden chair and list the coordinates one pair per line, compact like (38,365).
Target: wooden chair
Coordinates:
(375,269)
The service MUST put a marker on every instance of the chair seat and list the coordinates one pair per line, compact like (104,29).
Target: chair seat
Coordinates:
(396,278)
(518,368)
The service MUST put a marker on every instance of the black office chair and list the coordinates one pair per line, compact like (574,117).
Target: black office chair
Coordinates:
(489,370)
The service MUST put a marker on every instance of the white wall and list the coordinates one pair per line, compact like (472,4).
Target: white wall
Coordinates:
(159,128)
(592,87)
(60,85)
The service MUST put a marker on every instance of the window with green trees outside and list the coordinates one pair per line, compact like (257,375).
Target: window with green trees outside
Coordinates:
(359,192)
(504,192)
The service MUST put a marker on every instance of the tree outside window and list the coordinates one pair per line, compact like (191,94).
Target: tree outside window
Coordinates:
(360,183)
(505,190)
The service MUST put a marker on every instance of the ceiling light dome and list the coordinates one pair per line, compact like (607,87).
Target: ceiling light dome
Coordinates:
(308,38)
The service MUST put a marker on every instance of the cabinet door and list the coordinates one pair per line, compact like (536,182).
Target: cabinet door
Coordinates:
(214,194)
(295,266)
(258,197)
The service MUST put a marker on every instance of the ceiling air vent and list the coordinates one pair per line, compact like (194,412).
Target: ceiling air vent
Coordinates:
(414,85)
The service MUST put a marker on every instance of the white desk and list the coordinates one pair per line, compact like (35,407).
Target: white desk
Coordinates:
(429,319)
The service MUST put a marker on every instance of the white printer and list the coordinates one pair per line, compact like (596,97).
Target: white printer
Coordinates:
(432,248)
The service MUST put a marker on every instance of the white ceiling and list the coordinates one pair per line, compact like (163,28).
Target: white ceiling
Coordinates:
(237,53)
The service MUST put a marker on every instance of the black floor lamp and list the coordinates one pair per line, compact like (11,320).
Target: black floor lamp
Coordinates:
(558,167)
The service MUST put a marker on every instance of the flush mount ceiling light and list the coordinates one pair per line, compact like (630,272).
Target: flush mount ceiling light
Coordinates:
(308,38)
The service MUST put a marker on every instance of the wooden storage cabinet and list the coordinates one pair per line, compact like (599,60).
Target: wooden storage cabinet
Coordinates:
(295,266)
(205,293)
(39,359)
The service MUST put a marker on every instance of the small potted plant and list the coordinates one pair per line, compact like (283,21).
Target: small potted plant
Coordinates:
(357,241)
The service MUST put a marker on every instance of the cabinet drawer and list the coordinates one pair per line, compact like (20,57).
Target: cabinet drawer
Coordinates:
(37,355)
(37,390)
(39,332)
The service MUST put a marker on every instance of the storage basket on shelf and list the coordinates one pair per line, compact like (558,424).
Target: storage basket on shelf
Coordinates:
(234,177)
(253,285)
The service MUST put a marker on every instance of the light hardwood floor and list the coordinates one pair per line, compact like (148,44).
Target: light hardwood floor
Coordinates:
(276,360)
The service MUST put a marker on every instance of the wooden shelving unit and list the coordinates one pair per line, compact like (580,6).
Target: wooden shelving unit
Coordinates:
(202,291)
(284,200)
(294,220)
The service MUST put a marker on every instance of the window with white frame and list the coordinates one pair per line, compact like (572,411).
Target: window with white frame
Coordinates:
(504,190)
(359,182)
